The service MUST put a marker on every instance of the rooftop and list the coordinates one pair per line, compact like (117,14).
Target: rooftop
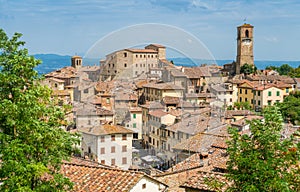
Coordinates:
(162,86)
(200,181)
(141,50)
(105,129)
(94,178)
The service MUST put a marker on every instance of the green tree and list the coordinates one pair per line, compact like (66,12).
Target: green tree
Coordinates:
(284,69)
(248,69)
(290,107)
(271,67)
(242,105)
(295,73)
(33,144)
(263,161)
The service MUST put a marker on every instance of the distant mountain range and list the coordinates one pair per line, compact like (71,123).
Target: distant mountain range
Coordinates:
(51,62)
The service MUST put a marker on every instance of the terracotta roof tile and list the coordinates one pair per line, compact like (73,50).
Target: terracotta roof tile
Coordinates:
(158,113)
(105,129)
(157,45)
(167,86)
(94,178)
(200,181)
(193,72)
(141,50)
(201,142)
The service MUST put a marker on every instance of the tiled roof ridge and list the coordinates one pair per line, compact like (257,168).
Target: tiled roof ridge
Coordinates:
(104,167)
(178,171)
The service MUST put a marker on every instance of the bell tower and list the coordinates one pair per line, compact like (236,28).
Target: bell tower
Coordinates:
(244,46)
(76,62)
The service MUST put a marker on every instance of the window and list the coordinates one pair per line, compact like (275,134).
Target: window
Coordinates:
(86,91)
(102,162)
(134,125)
(107,100)
(136,65)
(113,161)
(254,92)
(144,186)
(287,90)
(240,91)
(246,99)
(251,101)
(277,93)
(125,54)
(230,99)
(246,91)
(124,160)
(124,137)
(136,56)
(258,102)
(102,150)
(240,99)
(134,116)
(247,33)
(89,150)
(269,102)
(124,148)
(113,137)
(269,93)
(113,149)
(258,93)
(277,101)
(254,102)
(125,64)
(102,139)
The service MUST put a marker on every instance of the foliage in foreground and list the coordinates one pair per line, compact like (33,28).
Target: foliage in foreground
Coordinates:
(290,107)
(263,161)
(32,143)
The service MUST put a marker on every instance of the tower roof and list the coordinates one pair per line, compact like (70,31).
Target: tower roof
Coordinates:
(246,25)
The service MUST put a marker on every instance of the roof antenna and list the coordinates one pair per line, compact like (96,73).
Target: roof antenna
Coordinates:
(245,20)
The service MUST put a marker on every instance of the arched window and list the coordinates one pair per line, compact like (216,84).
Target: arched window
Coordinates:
(247,33)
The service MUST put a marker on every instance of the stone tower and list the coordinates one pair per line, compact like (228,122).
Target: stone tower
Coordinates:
(244,46)
(76,62)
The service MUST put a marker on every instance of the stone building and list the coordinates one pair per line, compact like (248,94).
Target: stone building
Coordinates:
(130,63)
(244,46)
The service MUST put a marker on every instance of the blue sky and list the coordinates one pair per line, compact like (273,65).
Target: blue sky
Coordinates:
(68,27)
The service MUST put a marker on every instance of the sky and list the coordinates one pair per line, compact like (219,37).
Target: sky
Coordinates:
(71,27)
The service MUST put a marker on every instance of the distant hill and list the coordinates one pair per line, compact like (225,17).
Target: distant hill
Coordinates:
(52,62)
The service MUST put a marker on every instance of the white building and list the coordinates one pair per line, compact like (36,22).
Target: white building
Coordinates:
(108,144)
(223,93)
(134,122)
